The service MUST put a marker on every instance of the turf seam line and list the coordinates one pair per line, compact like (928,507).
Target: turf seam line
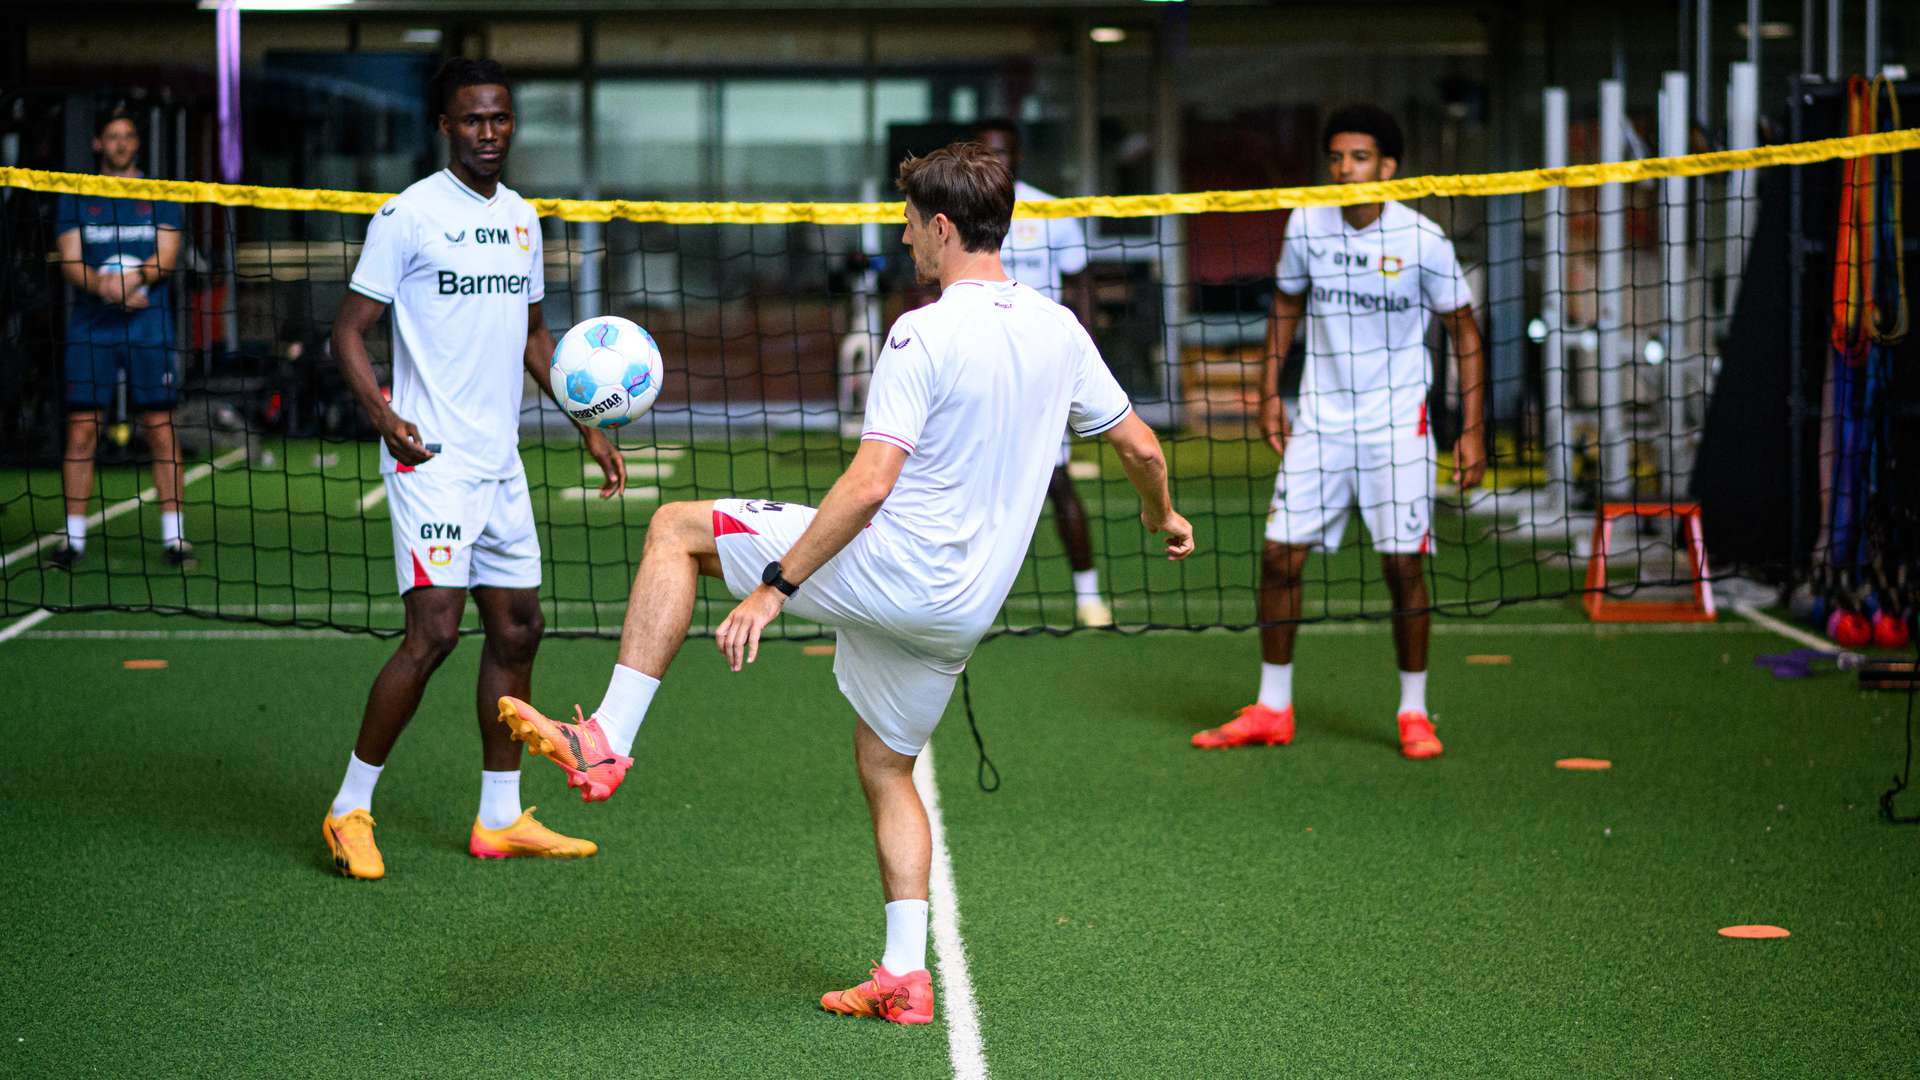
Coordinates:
(964,1047)
(27,622)
(1791,633)
(106,514)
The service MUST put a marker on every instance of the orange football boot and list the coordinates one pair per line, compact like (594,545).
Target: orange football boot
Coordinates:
(350,838)
(1255,725)
(525,837)
(580,748)
(1417,739)
(901,999)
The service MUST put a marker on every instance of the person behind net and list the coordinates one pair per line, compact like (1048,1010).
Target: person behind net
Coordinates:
(1049,255)
(457,257)
(1365,278)
(913,550)
(117,253)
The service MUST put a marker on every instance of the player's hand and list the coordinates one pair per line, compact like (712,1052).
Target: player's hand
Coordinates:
(111,288)
(1179,534)
(133,288)
(1274,424)
(1469,461)
(403,441)
(612,466)
(739,633)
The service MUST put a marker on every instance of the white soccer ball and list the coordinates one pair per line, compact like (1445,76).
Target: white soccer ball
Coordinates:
(607,372)
(121,264)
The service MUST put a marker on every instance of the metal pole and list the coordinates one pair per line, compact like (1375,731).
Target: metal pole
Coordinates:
(1086,110)
(1806,38)
(1172,228)
(1675,449)
(1743,133)
(1873,38)
(1615,452)
(1702,58)
(1753,33)
(1559,457)
(1833,40)
(589,293)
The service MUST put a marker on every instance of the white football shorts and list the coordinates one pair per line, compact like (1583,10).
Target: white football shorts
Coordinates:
(898,691)
(462,532)
(1322,476)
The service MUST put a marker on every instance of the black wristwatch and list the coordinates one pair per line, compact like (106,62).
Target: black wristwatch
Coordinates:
(771,576)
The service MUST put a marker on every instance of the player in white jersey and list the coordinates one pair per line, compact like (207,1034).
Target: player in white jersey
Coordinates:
(1365,278)
(1049,255)
(911,553)
(457,257)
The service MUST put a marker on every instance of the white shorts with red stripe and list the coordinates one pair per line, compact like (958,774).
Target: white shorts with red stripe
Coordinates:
(462,532)
(898,687)
(1323,475)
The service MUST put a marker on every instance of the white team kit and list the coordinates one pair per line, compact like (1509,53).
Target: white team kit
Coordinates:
(973,388)
(1360,433)
(459,271)
(1041,252)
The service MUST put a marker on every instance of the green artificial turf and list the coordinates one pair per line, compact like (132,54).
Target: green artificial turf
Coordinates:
(1130,906)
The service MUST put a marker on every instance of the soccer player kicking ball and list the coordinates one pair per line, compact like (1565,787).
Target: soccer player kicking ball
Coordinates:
(1049,255)
(1365,277)
(458,258)
(911,553)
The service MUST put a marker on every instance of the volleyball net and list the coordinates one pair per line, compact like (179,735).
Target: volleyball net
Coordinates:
(1643,360)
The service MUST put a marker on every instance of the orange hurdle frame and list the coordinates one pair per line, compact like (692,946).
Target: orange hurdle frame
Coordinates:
(1600,608)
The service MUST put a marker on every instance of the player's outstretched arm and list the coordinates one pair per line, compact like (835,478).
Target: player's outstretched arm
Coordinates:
(1146,467)
(357,315)
(1470,453)
(851,503)
(539,362)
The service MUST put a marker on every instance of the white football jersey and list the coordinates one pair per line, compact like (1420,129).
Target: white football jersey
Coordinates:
(975,387)
(1370,295)
(1039,252)
(459,271)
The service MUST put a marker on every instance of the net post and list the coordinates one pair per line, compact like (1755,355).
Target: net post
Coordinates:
(1676,449)
(1743,133)
(1615,478)
(1559,462)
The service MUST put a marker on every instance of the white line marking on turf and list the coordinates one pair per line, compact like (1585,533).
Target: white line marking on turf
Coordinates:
(1791,633)
(580,494)
(950,952)
(264,634)
(662,453)
(100,517)
(373,498)
(26,622)
(636,470)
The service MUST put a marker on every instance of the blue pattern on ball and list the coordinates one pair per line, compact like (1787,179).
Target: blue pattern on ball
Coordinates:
(580,387)
(604,335)
(638,378)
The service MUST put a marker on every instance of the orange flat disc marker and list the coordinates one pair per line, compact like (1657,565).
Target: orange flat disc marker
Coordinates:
(816,650)
(1490,659)
(1754,930)
(143,665)
(1583,763)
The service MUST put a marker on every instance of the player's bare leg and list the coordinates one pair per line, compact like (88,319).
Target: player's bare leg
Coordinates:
(901,989)
(432,631)
(1070,518)
(1407,583)
(1269,720)
(513,624)
(76,481)
(593,751)
(501,829)
(157,428)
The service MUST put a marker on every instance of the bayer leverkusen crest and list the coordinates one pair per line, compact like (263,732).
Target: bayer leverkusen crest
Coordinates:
(440,554)
(523,237)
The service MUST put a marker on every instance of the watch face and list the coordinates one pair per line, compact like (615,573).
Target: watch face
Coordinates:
(771,574)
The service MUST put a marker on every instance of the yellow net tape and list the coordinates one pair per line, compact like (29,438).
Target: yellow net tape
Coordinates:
(1109,206)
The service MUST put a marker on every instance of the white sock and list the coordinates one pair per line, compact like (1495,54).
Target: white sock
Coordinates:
(499,798)
(1086,584)
(170,533)
(906,937)
(1413,691)
(77,531)
(356,791)
(1276,686)
(628,695)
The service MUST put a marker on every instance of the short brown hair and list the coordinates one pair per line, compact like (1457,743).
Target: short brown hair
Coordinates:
(968,184)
